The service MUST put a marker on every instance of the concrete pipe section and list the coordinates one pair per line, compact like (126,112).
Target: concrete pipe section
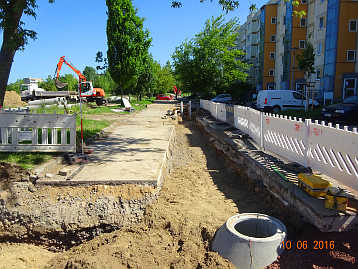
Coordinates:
(250,240)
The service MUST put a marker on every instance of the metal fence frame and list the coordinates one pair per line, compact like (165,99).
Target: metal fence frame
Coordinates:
(24,132)
(308,143)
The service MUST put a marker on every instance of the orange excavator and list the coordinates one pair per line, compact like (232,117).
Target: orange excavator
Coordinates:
(85,88)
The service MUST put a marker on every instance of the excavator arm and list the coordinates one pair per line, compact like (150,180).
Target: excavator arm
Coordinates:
(60,84)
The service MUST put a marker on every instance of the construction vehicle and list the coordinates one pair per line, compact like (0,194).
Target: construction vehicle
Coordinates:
(30,91)
(85,88)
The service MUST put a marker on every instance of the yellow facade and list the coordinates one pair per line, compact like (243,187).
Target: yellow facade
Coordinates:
(346,41)
(299,32)
(269,46)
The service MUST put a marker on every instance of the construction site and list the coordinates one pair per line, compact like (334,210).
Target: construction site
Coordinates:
(154,191)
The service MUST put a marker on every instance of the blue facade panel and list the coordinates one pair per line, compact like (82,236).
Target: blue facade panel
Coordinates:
(329,70)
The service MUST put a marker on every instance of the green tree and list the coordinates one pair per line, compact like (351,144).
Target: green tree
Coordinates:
(305,62)
(128,43)
(90,73)
(48,84)
(227,5)
(15,86)
(15,36)
(101,61)
(105,82)
(210,63)
(145,77)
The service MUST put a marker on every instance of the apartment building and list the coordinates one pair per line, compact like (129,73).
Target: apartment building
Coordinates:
(329,25)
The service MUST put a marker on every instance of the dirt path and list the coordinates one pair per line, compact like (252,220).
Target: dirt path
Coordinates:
(197,197)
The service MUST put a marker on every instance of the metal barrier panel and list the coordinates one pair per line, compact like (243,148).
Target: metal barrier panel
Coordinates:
(286,137)
(23,132)
(221,112)
(334,152)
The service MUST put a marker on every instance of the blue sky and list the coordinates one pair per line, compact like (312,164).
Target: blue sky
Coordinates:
(77,30)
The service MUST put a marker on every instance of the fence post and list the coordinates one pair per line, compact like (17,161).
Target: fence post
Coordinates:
(181,109)
(307,135)
(189,110)
(216,111)
(262,130)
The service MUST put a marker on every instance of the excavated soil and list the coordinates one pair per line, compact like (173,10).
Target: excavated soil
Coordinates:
(12,173)
(197,197)
(13,99)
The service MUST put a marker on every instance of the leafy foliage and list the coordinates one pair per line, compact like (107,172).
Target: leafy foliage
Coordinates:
(210,63)
(49,83)
(15,86)
(15,36)
(128,43)
(227,5)
(306,60)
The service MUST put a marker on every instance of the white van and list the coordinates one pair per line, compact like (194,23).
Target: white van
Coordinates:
(277,100)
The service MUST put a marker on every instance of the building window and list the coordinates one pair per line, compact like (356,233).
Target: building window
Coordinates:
(273,38)
(304,1)
(273,20)
(353,26)
(303,22)
(318,73)
(271,73)
(351,55)
(302,44)
(320,22)
(319,48)
(272,55)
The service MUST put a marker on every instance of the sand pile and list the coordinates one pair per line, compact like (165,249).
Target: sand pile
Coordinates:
(13,99)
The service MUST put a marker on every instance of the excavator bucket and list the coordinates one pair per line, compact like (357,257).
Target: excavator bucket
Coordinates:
(59,84)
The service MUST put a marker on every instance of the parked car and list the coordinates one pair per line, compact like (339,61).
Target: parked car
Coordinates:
(222,98)
(347,111)
(277,100)
(163,97)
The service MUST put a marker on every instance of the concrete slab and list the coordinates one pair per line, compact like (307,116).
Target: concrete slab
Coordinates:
(134,152)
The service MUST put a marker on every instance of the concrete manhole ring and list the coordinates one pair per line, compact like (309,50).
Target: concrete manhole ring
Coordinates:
(250,240)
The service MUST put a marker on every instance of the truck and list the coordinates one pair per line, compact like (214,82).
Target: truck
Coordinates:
(30,91)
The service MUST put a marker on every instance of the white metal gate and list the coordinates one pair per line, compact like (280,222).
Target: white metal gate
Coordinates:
(23,132)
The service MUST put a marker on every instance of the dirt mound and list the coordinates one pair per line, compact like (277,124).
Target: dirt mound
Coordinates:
(12,173)
(13,99)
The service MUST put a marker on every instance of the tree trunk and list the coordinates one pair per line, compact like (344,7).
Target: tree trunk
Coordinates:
(6,59)
(10,44)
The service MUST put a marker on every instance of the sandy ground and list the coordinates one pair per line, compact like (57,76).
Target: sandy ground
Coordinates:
(197,197)
(13,99)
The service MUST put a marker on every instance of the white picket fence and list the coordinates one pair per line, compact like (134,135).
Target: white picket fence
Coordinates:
(329,149)
(24,132)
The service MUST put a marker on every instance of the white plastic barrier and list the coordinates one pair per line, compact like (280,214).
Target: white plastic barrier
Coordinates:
(213,110)
(334,152)
(330,150)
(221,112)
(286,137)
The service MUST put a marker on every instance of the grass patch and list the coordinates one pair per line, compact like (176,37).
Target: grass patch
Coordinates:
(90,128)
(26,160)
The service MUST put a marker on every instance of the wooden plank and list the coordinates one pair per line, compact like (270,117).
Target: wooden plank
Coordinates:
(4,136)
(44,136)
(63,137)
(37,148)
(54,136)
(73,136)
(35,138)
(37,120)
(14,132)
